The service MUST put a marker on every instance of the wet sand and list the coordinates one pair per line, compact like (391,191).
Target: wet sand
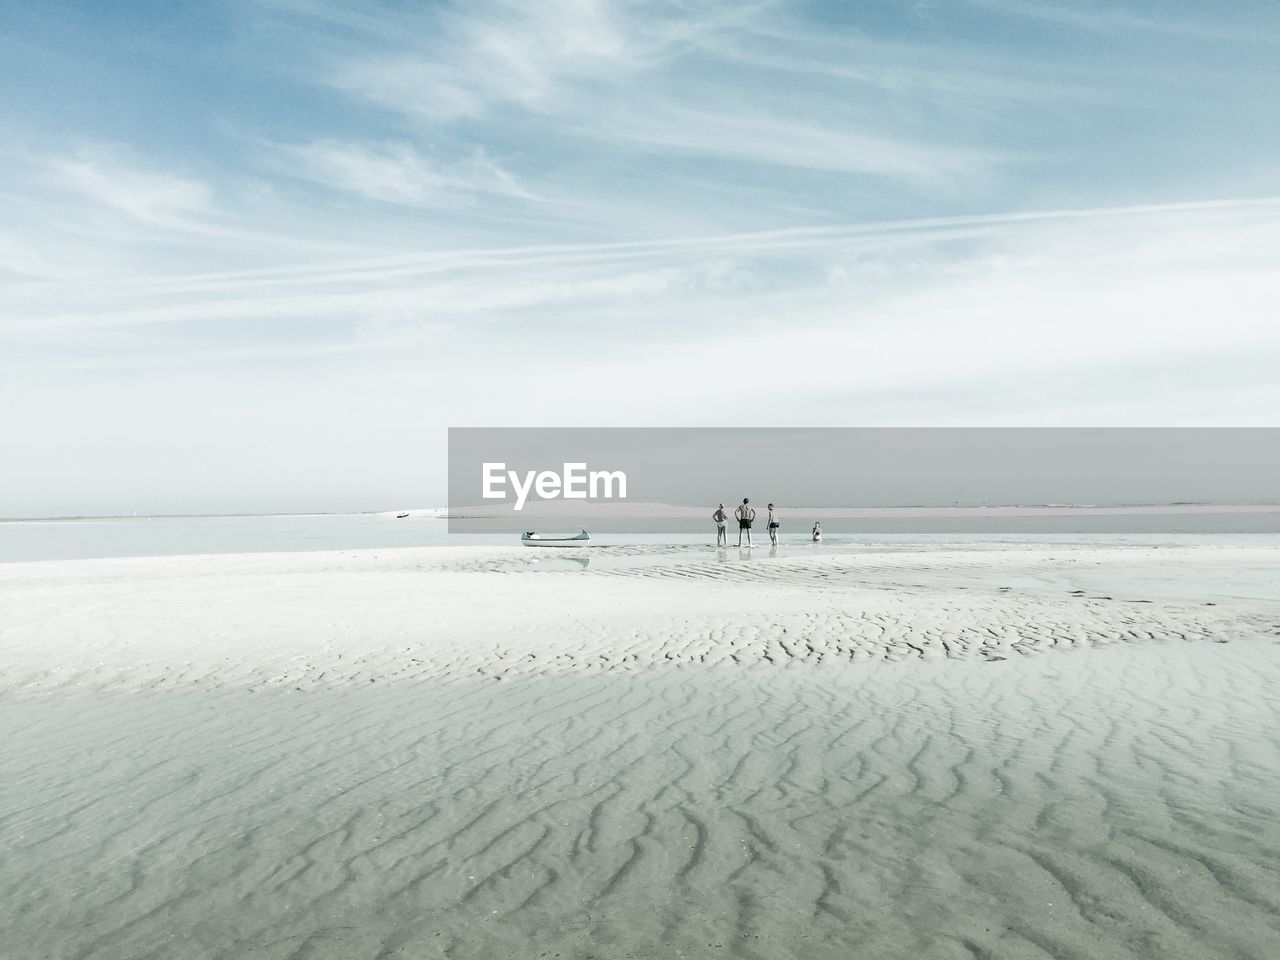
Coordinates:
(457,754)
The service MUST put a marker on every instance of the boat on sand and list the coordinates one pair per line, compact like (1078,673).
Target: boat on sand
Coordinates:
(531,539)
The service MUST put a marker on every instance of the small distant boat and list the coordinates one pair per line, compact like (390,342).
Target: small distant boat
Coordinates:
(531,539)
(401,516)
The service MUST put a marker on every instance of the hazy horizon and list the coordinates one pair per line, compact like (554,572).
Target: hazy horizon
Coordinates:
(415,510)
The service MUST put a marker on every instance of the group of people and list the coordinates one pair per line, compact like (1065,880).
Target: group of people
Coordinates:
(745,514)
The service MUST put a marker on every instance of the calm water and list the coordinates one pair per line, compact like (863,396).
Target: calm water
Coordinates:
(25,540)
(172,536)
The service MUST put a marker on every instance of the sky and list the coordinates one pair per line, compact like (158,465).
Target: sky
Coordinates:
(259,256)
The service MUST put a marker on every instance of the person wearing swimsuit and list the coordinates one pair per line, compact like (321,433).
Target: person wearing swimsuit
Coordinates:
(817,531)
(773,526)
(745,514)
(722,535)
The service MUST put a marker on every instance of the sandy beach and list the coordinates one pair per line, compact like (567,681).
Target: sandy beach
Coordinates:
(482,752)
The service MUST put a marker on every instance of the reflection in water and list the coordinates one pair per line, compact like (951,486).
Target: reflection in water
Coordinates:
(562,563)
(171,536)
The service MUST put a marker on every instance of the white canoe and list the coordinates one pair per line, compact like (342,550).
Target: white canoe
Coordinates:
(531,539)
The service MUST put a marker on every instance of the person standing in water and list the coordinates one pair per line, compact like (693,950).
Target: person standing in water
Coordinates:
(773,526)
(817,531)
(722,535)
(745,514)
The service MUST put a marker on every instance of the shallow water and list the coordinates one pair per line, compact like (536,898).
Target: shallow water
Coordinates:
(1117,803)
(88,538)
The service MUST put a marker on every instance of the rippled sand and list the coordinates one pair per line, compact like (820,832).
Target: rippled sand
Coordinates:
(452,754)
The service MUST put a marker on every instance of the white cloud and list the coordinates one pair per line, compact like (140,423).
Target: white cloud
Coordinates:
(600,72)
(107,214)
(1021,290)
(499,53)
(156,198)
(395,172)
(743,134)
(1112,19)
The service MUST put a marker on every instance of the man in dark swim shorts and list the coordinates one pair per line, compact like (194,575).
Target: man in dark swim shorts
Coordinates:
(745,514)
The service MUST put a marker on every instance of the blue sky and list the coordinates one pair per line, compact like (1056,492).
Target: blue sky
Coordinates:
(258,255)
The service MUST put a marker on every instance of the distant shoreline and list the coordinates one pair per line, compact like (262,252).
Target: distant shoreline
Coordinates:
(650,511)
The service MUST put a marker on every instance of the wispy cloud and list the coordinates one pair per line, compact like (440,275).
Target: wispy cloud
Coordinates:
(1112,18)
(396,172)
(95,212)
(156,198)
(472,58)
(906,273)
(745,135)
(601,71)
